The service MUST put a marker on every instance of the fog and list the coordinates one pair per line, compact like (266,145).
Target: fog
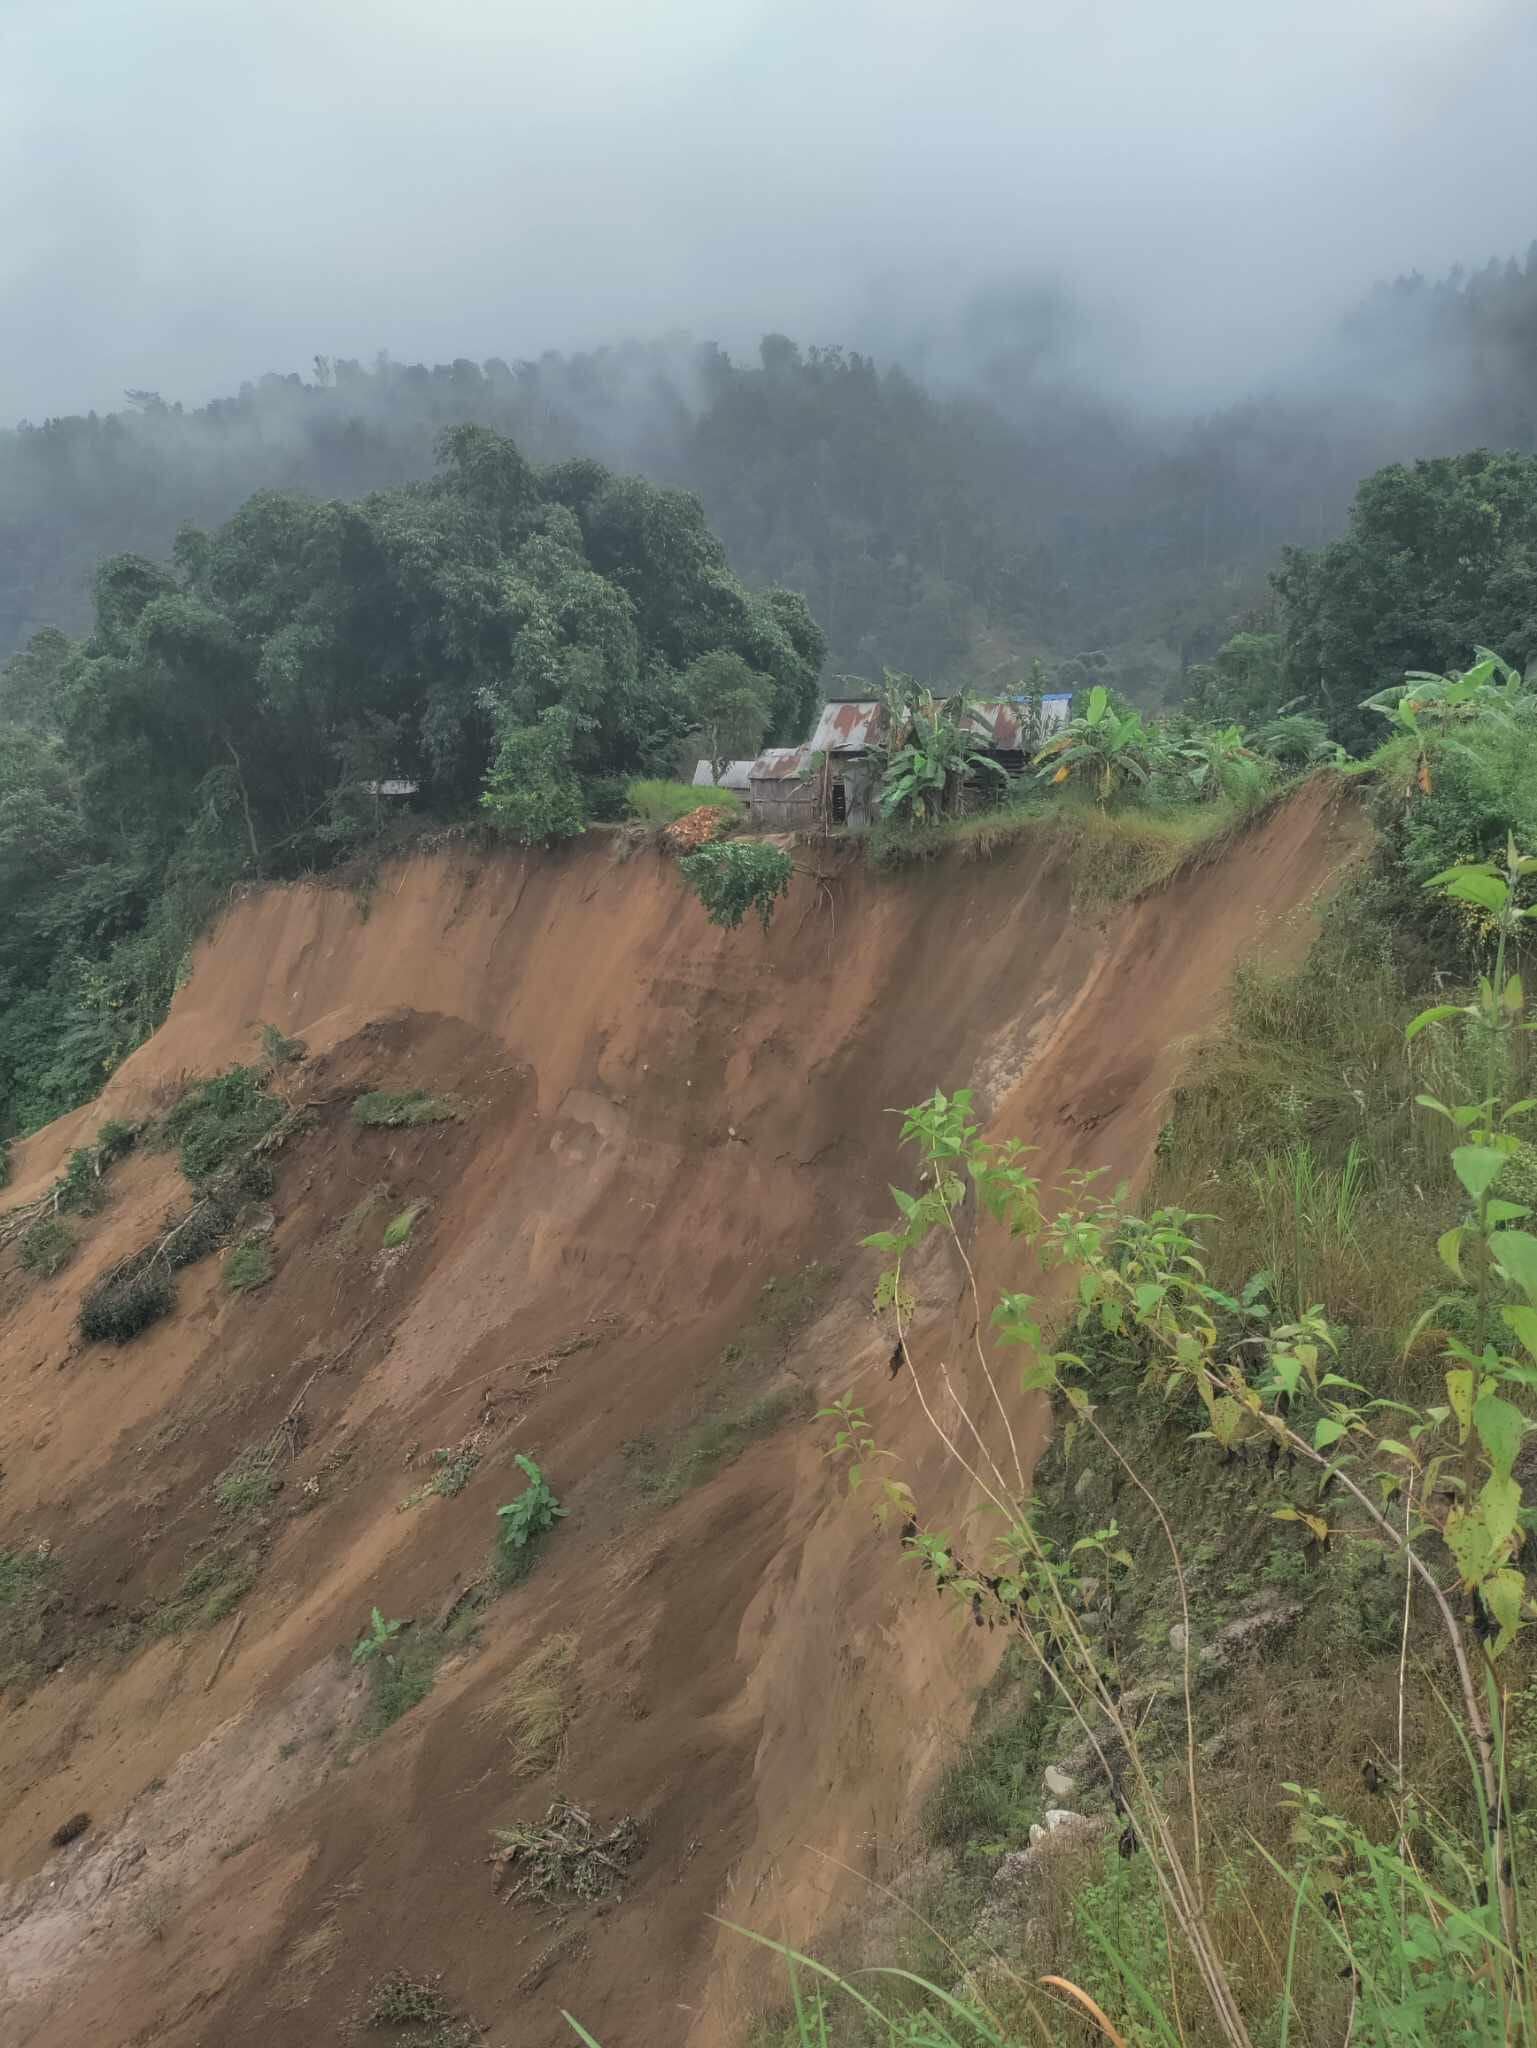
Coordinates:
(193,191)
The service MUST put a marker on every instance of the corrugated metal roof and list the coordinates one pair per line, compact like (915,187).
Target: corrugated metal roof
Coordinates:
(849,728)
(779,764)
(857,725)
(734,775)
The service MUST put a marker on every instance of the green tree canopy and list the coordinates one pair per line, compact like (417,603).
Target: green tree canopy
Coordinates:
(499,628)
(1439,556)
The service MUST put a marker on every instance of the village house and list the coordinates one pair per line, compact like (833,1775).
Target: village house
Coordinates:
(834,779)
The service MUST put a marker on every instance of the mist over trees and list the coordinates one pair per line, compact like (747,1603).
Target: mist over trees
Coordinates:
(950,528)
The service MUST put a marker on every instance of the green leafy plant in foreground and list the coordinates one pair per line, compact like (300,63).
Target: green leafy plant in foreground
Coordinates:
(1436,1940)
(376,1639)
(732,876)
(523,1523)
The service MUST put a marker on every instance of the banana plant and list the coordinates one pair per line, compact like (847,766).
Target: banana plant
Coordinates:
(1212,754)
(1103,746)
(935,750)
(1424,703)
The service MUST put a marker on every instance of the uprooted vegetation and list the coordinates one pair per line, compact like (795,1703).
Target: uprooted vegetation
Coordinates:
(406,1110)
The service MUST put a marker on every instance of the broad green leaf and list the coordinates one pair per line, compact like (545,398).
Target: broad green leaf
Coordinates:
(1469,885)
(1468,1540)
(1449,1247)
(1225,1418)
(1327,1431)
(1499,1502)
(1499,1213)
(1477,1167)
(1434,1015)
(1500,1426)
(1503,1593)
(1515,1253)
(1395,1449)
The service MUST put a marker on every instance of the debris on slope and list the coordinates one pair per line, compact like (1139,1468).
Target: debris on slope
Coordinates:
(563,1853)
(697,828)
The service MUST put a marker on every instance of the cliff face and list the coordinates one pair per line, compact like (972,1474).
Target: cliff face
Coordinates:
(646,1213)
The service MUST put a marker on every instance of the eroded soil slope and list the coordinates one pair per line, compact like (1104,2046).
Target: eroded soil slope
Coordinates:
(643,1219)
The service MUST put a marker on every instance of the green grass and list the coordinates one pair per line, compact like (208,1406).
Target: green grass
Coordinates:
(216,1121)
(1113,855)
(399,1231)
(248,1266)
(26,1577)
(247,1486)
(406,1110)
(663,803)
(210,1590)
(714,1443)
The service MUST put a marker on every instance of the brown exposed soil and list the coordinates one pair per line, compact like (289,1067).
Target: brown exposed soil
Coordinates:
(657,1121)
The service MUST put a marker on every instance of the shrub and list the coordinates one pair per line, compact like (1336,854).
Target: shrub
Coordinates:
(218,1120)
(114,1139)
(127,1301)
(732,876)
(523,1524)
(393,1112)
(46,1247)
(80,1192)
(248,1266)
(278,1049)
(662,803)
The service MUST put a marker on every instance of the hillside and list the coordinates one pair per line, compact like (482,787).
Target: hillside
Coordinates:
(633,1257)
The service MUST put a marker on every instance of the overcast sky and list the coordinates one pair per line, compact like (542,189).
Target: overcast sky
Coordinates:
(194,191)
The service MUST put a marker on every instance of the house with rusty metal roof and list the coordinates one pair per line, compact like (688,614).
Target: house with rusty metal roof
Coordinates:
(834,776)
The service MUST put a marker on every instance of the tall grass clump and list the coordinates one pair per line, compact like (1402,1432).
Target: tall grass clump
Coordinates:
(663,803)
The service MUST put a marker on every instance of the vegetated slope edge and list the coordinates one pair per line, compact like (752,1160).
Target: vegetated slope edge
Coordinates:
(661,1118)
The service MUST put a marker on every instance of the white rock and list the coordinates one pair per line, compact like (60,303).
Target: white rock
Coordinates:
(1058,1784)
(1179,1635)
(1060,1817)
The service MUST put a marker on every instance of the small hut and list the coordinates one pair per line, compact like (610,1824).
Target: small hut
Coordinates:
(784,790)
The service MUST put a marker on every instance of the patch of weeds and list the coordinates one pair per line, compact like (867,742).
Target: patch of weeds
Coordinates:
(115,1139)
(532,1708)
(47,1246)
(210,1589)
(247,1485)
(248,1266)
(290,1749)
(417,2012)
(401,1677)
(455,1469)
(217,1120)
(128,1300)
(355,1225)
(25,1577)
(398,1232)
(383,1110)
(717,1441)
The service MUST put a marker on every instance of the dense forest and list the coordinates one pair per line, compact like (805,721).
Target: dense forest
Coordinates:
(527,635)
(952,527)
